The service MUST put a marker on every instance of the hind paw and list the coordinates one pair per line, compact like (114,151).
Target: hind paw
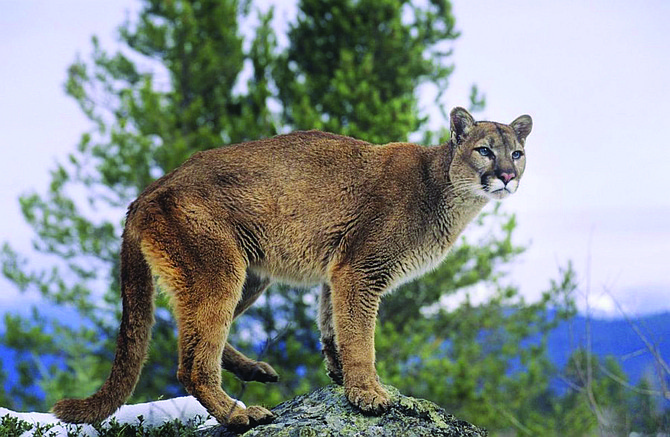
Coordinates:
(259,371)
(243,419)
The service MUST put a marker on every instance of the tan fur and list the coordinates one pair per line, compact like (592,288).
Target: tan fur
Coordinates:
(303,208)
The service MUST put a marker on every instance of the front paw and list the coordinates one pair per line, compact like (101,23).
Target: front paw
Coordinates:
(371,398)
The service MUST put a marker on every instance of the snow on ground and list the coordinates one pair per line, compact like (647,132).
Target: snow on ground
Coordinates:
(153,413)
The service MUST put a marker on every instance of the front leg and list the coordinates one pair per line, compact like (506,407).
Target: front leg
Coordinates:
(330,353)
(355,300)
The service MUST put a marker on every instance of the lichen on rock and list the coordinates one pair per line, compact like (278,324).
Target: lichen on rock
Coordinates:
(326,412)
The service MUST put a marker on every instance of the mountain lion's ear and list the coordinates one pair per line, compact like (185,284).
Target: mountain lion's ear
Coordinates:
(522,126)
(461,123)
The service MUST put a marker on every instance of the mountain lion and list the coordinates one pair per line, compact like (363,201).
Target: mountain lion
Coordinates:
(303,208)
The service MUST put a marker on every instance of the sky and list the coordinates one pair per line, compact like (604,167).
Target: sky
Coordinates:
(593,75)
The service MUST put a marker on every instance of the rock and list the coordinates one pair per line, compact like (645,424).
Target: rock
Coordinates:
(326,412)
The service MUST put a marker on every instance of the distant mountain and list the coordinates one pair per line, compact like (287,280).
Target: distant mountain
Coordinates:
(614,337)
(7,360)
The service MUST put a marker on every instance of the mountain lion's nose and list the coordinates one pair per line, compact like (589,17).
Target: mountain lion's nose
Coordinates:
(506,177)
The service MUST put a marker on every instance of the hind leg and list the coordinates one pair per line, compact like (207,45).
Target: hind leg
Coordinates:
(205,300)
(330,353)
(245,368)
(233,360)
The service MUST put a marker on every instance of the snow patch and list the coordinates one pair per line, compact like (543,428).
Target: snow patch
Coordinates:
(153,413)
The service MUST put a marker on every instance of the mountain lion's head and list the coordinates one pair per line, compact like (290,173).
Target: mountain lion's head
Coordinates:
(489,158)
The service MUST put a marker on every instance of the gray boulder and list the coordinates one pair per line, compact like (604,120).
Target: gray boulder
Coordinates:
(326,412)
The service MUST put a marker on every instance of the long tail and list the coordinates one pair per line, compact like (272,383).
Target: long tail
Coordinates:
(131,345)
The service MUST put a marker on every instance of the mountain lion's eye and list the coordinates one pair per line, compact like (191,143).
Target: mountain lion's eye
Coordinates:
(517,154)
(484,151)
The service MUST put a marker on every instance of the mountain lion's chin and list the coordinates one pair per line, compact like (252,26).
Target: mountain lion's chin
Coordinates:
(500,194)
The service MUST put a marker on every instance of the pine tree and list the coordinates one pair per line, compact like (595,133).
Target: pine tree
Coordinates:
(353,67)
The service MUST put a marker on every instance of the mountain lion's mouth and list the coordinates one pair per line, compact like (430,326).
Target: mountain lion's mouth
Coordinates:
(499,194)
